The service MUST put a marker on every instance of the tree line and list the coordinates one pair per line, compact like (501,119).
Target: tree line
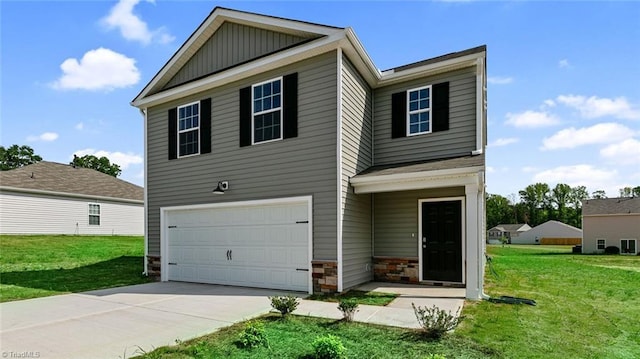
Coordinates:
(538,203)
(18,156)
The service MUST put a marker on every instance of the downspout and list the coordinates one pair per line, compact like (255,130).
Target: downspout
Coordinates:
(143,112)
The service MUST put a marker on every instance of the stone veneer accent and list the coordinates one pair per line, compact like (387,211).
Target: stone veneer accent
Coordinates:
(325,276)
(153,267)
(395,269)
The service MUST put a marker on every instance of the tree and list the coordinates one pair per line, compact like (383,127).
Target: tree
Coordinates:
(561,196)
(536,197)
(499,210)
(16,157)
(101,164)
(635,191)
(578,195)
(599,194)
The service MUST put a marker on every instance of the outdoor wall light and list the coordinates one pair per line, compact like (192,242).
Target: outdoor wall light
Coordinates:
(222,186)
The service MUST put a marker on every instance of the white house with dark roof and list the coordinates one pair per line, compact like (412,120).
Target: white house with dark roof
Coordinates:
(508,231)
(611,222)
(550,232)
(279,156)
(54,198)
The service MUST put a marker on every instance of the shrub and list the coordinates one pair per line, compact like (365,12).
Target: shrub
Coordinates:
(612,250)
(284,304)
(348,307)
(253,336)
(329,347)
(435,322)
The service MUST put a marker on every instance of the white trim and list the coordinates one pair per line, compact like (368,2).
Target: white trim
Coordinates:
(178,131)
(463,224)
(71,195)
(635,246)
(145,193)
(604,246)
(481,105)
(164,212)
(339,172)
(416,180)
(280,108)
(89,214)
(474,193)
(419,111)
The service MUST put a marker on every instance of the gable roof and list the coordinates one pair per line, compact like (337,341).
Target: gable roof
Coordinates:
(624,205)
(321,39)
(58,178)
(511,227)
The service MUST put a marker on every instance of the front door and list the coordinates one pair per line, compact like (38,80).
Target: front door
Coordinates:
(442,241)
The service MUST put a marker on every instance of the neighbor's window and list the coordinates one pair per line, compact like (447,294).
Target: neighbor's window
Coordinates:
(267,111)
(628,246)
(419,111)
(601,243)
(188,129)
(94,214)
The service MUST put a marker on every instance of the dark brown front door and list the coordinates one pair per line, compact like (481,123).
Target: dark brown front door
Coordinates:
(442,241)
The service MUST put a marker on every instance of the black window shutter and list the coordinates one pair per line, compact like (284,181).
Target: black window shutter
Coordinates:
(440,115)
(290,104)
(205,126)
(173,133)
(399,114)
(245,116)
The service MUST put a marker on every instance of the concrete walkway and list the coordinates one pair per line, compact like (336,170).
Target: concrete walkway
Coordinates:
(127,321)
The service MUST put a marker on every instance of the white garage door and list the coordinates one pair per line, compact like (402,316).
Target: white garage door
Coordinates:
(262,246)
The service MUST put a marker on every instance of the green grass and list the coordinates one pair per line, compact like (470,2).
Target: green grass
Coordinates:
(39,266)
(292,338)
(366,298)
(588,306)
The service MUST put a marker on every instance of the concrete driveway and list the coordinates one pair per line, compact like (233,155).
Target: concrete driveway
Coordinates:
(123,322)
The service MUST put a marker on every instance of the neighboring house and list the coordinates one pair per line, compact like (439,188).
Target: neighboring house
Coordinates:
(550,232)
(507,231)
(611,222)
(333,172)
(54,198)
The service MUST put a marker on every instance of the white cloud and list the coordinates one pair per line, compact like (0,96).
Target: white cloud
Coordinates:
(626,152)
(601,133)
(529,169)
(548,103)
(498,80)
(80,126)
(99,69)
(503,142)
(578,175)
(124,160)
(131,26)
(594,107)
(531,119)
(45,137)
(564,63)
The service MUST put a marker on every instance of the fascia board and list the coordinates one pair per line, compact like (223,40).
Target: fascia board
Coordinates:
(276,60)
(417,180)
(8,189)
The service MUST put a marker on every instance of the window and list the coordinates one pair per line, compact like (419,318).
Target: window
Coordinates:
(267,111)
(94,214)
(188,129)
(628,246)
(419,111)
(601,244)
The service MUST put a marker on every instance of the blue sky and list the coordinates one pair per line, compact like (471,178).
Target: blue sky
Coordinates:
(563,92)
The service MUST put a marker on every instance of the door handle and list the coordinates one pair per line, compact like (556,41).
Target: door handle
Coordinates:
(227,254)
(231,254)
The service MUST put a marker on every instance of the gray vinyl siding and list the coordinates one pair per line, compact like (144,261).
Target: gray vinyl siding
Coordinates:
(459,140)
(230,45)
(396,220)
(305,165)
(356,157)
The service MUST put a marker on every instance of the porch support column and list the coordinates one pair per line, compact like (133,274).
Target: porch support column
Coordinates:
(473,246)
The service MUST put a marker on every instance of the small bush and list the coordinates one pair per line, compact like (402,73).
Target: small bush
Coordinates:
(435,322)
(284,304)
(612,250)
(253,336)
(435,356)
(348,307)
(328,347)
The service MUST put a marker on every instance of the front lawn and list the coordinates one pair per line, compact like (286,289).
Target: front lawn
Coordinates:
(361,297)
(44,265)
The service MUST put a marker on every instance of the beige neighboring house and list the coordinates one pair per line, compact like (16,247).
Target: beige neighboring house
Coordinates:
(550,232)
(55,198)
(611,222)
(508,231)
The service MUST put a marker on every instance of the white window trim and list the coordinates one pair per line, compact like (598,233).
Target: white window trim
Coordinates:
(189,130)
(605,244)
(281,108)
(89,214)
(635,247)
(409,113)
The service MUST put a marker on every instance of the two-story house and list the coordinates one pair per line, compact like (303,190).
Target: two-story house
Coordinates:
(278,156)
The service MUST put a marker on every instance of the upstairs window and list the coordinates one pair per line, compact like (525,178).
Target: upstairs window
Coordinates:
(189,129)
(419,111)
(94,214)
(267,111)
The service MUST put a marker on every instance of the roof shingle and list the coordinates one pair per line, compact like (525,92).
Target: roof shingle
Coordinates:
(624,205)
